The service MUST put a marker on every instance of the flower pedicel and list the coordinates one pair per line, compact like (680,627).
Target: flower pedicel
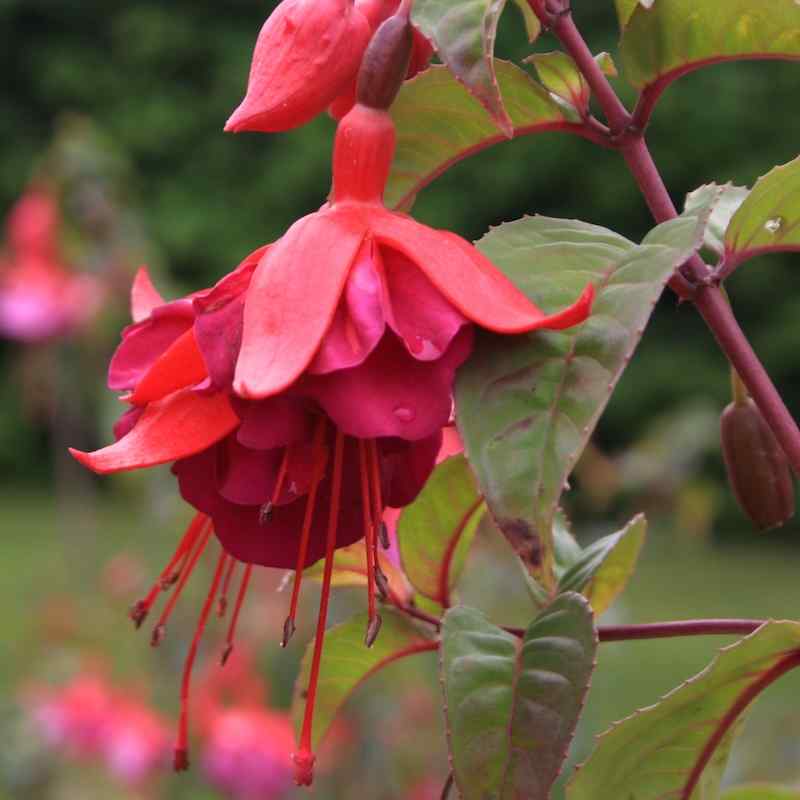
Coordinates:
(306,392)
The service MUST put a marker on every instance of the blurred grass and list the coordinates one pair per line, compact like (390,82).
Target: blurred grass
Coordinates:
(55,594)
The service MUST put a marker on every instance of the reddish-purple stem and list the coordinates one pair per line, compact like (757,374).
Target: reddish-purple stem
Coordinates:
(789,662)
(687,627)
(449,554)
(696,282)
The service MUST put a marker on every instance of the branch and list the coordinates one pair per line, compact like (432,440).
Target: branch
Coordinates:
(694,281)
(688,627)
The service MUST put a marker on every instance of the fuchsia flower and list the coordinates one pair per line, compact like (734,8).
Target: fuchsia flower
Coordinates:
(307,58)
(90,718)
(247,752)
(39,298)
(246,748)
(306,392)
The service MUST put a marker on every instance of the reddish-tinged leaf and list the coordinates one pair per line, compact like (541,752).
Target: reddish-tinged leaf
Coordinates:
(346,662)
(350,569)
(434,533)
(673,38)
(439,123)
(292,300)
(180,425)
(769,218)
(144,296)
(463,32)
(470,281)
(179,366)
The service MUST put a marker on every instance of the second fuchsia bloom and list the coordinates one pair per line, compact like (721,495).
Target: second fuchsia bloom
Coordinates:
(39,297)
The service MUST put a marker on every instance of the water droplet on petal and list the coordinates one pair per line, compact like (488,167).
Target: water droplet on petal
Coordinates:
(773,225)
(405,414)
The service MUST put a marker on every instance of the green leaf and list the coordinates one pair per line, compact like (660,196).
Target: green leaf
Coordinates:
(677,36)
(566,553)
(625,9)
(605,566)
(346,661)
(435,532)
(729,198)
(769,219)
(526,406)
(560,75)
(650,754)
(761,791)
(512,705)
(439,123)
(532,25)
(463,32)
(350,569)
(606,63)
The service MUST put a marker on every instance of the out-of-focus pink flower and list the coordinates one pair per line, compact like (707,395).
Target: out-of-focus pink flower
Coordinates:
(247,753)
(39,297)
(90,718)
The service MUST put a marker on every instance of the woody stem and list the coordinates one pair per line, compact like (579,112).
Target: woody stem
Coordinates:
(693,281)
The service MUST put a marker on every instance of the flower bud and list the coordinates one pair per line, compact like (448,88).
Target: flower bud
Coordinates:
(385,63)
(758,470)
(305,56)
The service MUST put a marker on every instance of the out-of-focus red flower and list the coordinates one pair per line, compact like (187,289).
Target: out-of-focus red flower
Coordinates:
(307,58)
(306,392)
(39,297)
(91,718)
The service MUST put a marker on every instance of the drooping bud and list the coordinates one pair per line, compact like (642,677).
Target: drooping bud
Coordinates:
(385,63)
(758,470)
(305,56)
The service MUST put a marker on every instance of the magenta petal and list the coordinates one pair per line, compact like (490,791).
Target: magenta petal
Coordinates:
(245,476)
(276,543)
(143,342)
(406,466)
(127,421)
(218,325)
(273,422)
(421,316)
(391,393)
(359,321)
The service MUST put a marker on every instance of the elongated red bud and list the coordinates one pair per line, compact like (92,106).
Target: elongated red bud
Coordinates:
(306,54)
(758,470)
(386,62)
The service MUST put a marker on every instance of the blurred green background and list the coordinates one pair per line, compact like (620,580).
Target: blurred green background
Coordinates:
(157,81)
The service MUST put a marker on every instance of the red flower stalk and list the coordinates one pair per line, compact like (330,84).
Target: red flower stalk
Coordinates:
(306,391)
(307,58)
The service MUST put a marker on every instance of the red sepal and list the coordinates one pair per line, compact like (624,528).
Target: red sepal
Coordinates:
(179,366)
(291,301)
(144,296)
(180,425)
(469,280)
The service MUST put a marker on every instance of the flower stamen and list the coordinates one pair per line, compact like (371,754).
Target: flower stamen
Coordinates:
(304,758)
(222,607)
(201,541)
(181,757)
(170,574)
(369,532)
(319,458)
(265,512)
(226,653)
